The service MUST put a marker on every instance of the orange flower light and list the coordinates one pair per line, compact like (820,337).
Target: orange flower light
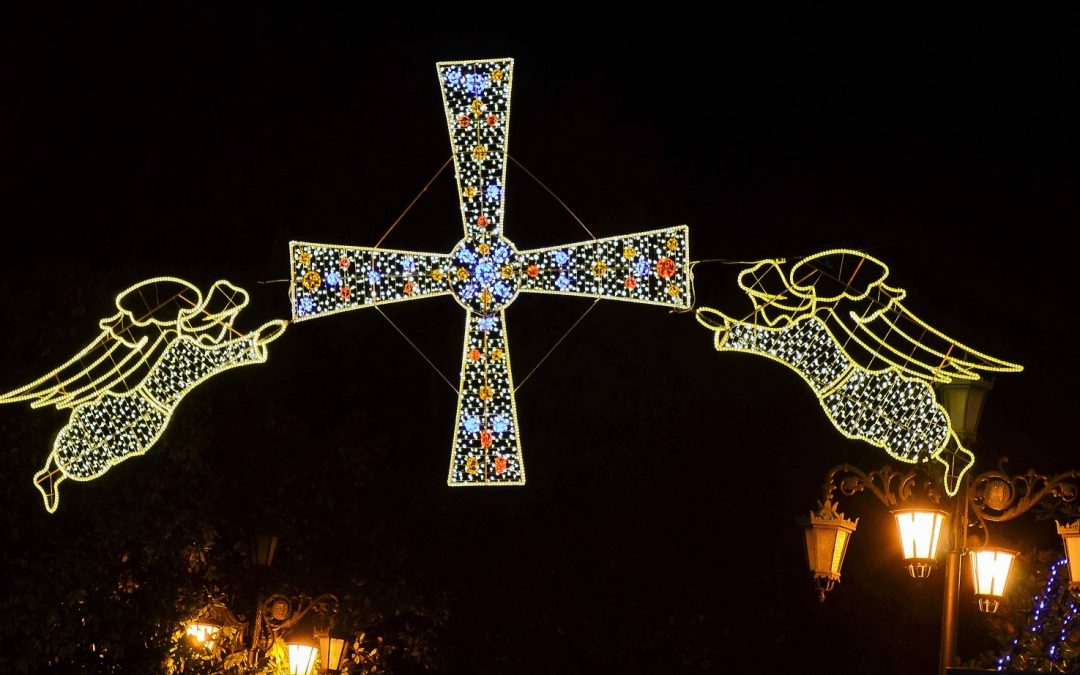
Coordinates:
(665,267)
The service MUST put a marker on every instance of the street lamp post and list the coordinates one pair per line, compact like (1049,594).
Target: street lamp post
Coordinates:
(279,615)
(915,500)
(304,622)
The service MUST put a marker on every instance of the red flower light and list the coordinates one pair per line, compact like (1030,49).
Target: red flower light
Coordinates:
(346,292)
(665,267)
(485,438)
(532,270)
(410,287)
(344,262)
(463,121)
(474,354)
(482,221)
(492,120)
(630,283)
(500,465)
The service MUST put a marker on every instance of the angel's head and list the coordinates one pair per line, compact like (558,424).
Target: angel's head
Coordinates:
(831,276)
(214,317)
(767,286)
(160,301)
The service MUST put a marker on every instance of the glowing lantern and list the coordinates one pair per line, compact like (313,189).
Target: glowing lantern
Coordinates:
(1070,535)
(920,532)
(203,634)
(302,653)
(827,535)
(332,651)
(990,572)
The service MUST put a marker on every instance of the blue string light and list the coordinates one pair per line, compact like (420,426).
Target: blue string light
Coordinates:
(1051,596)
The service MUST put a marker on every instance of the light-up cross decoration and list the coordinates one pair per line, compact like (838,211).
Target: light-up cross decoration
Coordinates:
(485,273)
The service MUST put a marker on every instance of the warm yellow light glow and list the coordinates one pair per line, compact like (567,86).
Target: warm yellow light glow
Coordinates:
(990,569)
(1070,536)
(203,634)
(838,551)
(920,532)
(831,318)
(122,388)
(827,533)
(301,658)
(333,651)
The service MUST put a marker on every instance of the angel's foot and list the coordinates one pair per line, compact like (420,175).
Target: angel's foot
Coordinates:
(47,482)
(957,460)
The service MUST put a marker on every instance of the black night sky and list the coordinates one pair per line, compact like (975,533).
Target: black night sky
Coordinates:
(657,529)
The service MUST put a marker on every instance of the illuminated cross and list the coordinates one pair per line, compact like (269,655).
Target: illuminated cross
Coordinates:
(485,273)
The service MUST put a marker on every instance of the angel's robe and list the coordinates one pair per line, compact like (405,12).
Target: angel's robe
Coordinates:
(899,414)
(105,431)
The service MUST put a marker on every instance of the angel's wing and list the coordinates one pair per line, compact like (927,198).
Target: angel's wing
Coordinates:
(118,359)
(874,327)
(880,333)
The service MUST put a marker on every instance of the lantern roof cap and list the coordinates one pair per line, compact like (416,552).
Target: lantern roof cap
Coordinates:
(827,514)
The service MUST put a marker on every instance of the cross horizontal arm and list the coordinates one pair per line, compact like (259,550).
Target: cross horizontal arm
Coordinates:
(487,447)
(649,267)
(327,279)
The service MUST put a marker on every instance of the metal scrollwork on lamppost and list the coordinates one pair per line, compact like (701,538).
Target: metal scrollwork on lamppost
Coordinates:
(279,614)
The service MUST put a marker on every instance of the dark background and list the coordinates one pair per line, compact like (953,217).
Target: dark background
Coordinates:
(656,532)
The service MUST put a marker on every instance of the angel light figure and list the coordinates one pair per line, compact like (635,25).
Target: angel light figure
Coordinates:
(122,388)
(873,364)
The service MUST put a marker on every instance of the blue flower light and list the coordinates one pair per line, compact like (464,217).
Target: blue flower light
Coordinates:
(475,84)
(469,291)
(641,267)
(485,272)
(409,265)
(471,423)
(493,192)
(500,424)
(486,323)
(466,255)
(305,306)
(501,290)
(373,277)
(332,279)
(453,77)
(501,254)
(561,257)
(563,282)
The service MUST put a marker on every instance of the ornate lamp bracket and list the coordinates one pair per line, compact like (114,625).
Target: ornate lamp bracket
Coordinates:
(995,496)
(281,612)
(891,487)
